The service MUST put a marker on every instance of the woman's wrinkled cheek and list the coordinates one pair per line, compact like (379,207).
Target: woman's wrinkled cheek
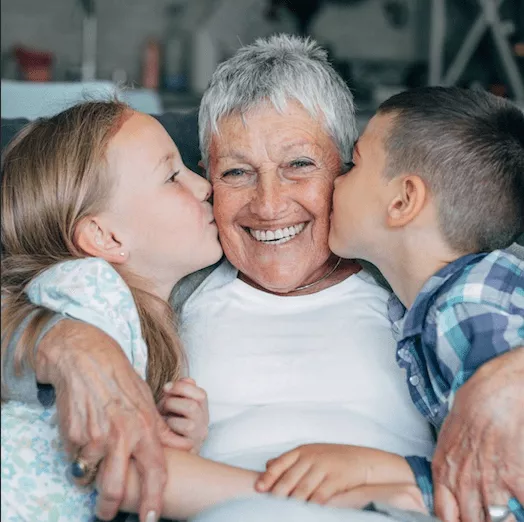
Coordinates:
(226,207)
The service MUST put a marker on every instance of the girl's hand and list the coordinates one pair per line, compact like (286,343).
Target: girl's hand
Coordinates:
(184,407)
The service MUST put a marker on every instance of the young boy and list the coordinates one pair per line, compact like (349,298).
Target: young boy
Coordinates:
(436,189)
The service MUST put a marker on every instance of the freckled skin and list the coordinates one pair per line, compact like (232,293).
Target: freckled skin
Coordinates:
(270,170)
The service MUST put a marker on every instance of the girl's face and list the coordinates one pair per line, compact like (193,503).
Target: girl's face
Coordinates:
(159,209)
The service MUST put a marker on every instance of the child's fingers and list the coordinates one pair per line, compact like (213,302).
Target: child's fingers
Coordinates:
(190,390)
(325,491)
(180,442)
(309,483)
(161,406)
(274,469)
(184,427)
(184,407)
(290,479)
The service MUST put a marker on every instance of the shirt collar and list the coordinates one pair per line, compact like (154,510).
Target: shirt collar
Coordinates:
(408,323)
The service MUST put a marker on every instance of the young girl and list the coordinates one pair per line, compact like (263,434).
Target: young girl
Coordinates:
(97,194)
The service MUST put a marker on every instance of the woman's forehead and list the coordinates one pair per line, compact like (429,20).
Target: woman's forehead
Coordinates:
(287,131)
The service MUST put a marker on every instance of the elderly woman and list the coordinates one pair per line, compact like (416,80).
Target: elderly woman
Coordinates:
(292,344)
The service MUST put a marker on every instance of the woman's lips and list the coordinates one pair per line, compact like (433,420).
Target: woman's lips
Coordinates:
(276,236)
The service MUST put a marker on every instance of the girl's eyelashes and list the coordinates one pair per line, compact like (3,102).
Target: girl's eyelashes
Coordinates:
(171,178)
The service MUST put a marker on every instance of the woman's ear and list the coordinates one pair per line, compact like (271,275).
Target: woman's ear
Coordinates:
(96,241)
(408,202)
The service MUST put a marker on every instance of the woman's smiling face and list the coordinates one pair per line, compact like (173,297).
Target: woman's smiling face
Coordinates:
(272,176)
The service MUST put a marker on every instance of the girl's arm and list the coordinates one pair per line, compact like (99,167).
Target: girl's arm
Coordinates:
(193,484)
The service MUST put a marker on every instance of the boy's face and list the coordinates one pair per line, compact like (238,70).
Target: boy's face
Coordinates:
(360,199)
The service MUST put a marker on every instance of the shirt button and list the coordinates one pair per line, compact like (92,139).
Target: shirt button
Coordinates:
(404,354)
(414,380)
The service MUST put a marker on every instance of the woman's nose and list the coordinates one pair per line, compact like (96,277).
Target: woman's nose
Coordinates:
(269,198)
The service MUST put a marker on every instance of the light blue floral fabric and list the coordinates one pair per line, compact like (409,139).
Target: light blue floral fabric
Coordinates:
(35,483)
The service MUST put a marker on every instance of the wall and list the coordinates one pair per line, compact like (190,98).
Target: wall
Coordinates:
(56,25)
(361,31)
(358,31)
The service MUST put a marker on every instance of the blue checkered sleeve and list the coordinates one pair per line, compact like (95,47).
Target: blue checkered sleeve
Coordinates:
(421,468)
(471,334)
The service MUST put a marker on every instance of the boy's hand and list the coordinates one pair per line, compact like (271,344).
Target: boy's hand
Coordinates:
(315,472)
(184,406)
(402,496)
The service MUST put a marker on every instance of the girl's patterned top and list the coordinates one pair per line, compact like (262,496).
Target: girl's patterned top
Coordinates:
(35,469)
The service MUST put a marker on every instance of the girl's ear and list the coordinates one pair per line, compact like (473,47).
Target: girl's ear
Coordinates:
(408,202)
(96,241)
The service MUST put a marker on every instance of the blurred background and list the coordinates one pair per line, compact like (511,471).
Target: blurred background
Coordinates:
(164,51)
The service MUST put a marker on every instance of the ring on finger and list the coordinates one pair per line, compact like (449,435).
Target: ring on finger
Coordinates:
(82,471)
(498,513)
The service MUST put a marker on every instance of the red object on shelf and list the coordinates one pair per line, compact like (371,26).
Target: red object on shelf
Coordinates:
(35,65)
(151,65)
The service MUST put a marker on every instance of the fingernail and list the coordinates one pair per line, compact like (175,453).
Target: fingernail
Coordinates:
(167,387)
(151,516)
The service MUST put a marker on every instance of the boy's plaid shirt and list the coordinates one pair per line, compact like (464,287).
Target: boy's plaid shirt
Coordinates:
(469,312)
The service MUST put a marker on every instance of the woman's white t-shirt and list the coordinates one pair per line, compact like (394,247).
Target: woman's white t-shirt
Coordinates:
(283,371)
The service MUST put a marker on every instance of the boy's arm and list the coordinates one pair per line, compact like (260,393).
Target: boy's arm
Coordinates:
(421,469)
(471,334)
(476,340)
(487,413)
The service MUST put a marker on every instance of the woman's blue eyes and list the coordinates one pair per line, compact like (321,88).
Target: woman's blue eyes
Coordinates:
(297,164)
(233,173)
(171,178)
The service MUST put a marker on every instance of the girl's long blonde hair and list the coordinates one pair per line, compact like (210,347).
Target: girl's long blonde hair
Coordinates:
(54,175)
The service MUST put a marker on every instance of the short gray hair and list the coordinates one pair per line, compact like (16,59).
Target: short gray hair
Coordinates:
(278,69)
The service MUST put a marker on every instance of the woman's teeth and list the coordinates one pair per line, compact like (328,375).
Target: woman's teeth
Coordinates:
(279,236)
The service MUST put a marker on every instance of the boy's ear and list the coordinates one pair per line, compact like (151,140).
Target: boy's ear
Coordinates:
(409,200)
(96,241)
